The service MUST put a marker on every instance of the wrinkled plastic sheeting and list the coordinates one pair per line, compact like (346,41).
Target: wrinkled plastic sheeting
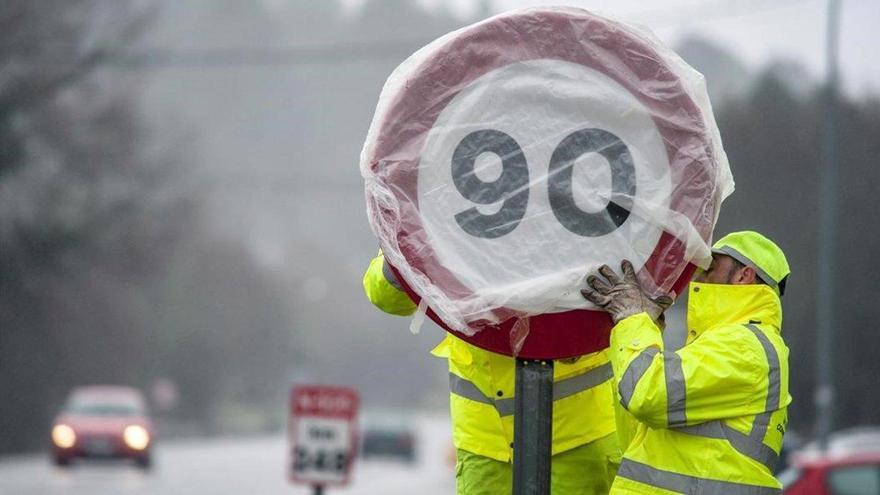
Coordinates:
(508,159)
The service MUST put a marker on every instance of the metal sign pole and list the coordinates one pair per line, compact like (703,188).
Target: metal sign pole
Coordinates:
(532,427)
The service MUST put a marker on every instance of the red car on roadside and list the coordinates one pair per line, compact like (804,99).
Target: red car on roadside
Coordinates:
(850,466)
(103,421)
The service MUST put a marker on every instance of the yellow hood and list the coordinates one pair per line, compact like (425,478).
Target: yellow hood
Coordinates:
(710,305)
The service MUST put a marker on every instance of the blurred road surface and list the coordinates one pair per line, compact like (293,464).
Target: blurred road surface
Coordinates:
(250,466)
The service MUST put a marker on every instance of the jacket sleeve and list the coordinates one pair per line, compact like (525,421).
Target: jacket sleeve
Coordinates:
(383,290)
(719,375)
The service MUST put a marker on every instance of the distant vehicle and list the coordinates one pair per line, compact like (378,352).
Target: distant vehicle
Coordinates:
(850,466)
(103,421)
(389,438)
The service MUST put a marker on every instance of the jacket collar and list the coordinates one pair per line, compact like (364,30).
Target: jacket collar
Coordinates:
(710,305)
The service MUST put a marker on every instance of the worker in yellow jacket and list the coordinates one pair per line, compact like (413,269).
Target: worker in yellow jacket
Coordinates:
(585,448)
(712,414)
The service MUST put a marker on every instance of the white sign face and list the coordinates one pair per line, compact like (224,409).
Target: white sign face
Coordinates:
(322,450)
(322,434)
(536,154)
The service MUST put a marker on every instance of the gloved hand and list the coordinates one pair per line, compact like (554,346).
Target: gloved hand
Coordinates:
(623,297)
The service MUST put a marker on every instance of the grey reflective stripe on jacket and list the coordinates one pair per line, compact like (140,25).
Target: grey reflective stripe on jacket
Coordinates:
(676,397)
(676,403)
(751,445)
(637,367)
(774,380)
(742,443)
(561,389)
(690,485)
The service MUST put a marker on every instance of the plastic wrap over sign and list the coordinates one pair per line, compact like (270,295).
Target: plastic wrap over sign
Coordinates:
(509,158)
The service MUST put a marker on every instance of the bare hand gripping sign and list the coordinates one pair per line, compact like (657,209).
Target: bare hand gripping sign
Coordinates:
(508,158)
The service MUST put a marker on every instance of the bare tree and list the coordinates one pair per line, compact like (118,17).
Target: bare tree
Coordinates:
(83,204)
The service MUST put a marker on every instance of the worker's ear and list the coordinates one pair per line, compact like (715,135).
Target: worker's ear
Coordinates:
(746,275)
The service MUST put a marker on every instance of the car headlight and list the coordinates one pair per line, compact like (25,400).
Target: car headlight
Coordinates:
(63,436)
(136,437)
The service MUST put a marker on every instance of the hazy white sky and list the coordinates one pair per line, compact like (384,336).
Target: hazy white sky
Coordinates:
(758,30)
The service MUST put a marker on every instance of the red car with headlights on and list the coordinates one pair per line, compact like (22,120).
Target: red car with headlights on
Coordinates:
(103,422)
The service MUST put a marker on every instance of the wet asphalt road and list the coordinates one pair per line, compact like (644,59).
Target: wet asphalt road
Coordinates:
(231,466)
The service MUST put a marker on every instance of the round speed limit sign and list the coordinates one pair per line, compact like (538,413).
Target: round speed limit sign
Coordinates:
(509,158)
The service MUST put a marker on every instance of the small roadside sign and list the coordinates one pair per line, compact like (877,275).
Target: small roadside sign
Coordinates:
(322,432)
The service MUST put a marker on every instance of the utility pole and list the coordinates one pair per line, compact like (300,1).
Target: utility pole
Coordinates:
(824,398)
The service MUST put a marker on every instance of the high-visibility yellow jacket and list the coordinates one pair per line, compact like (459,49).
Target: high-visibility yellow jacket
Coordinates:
(482,386)
(712,414)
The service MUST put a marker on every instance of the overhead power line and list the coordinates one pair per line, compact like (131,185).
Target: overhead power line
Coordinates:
(361,51)
(329,54)
(157,58)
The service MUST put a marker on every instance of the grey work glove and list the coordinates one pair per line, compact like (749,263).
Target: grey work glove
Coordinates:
(624,297)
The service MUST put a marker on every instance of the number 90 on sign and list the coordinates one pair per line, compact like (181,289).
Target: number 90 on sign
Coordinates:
(512,187)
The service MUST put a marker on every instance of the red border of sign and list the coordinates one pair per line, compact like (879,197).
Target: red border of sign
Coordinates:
(351,417)
(572,327)
(540,34)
